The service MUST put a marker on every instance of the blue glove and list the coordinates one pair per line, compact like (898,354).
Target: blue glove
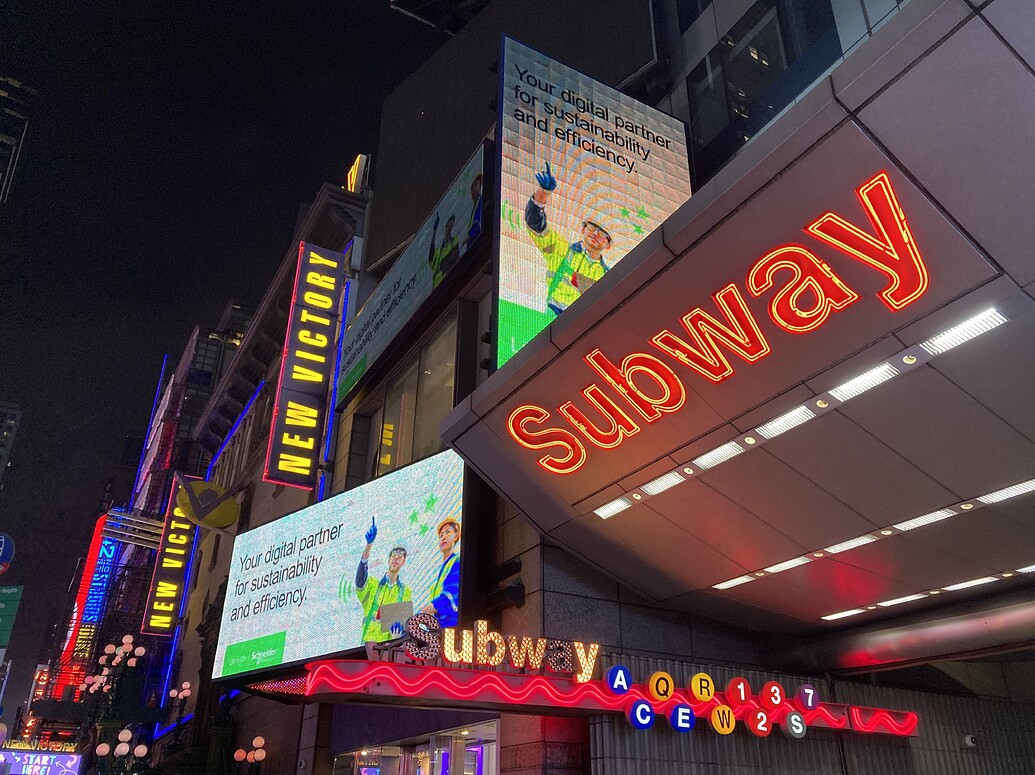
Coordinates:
(547,181)
(396,630)
(434,226)
(372,532)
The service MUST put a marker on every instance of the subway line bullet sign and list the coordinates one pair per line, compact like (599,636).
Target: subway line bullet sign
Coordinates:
(739,706)
(307,367)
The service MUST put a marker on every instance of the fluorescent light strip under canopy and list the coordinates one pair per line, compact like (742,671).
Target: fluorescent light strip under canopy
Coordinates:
(959,586)
(901,527)
(873,377)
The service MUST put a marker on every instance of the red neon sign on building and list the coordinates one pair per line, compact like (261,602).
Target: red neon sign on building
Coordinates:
(804,291)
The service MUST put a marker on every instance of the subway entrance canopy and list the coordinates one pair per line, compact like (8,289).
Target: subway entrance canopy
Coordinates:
(805,402)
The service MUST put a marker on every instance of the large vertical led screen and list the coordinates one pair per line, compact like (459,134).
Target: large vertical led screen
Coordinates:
(437,248)
(586,173)
(346,571)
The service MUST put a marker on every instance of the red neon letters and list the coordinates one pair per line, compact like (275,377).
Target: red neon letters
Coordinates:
(805,291)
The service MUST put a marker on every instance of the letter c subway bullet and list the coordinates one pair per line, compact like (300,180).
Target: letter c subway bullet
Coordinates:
(660,686)
(641,714)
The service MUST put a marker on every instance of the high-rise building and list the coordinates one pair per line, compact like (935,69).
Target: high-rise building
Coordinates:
(16,106)
(10,420)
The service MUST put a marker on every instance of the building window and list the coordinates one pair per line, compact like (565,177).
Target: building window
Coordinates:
(404,427)
(768,58)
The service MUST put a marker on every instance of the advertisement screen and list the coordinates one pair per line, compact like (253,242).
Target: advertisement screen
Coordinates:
(586,173)
(346,571)
(10,597)
(39,763)
(439,244)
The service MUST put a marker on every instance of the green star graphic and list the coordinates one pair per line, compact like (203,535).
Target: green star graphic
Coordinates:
(642,213)
(429,504)
(424,529)
(414,517)
(637,229)
(625,212)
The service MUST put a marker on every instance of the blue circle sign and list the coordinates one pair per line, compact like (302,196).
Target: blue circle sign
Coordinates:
(619,679)
(641,714)
(682,718)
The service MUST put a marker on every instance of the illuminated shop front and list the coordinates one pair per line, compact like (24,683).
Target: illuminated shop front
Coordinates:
(435,754)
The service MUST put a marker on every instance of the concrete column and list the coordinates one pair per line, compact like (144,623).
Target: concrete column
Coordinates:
(542,745)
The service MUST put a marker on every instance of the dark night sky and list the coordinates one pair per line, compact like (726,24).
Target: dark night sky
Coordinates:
(161,177)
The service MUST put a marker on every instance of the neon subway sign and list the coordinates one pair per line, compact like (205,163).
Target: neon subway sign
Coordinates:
(803,292)
(523,676)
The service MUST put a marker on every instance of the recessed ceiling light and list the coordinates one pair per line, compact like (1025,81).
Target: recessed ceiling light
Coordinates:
(1008,492)
(966,506)
(963,332)
(718,455)
(909,360)
(637,496)
(886,532)
(926,519)
(844,546)
(688,470)
(786,565)
(785,422)
(733,582)
(843,614)
(971,583)
(749,439)
(662,483)
(822,404)
(817,554)
(865,381)
(898,600)
(608,510)
(759,573)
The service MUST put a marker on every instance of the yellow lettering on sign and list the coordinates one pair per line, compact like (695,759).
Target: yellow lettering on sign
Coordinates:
(301,415)
(324,281)
(321,261)
(311,356)
(321,300)
(313,340)
(300,372)
(166,589)
(159,622)
(294,440)
(293,464)
(164,606)
(171,562)
(309,317)
(527,651)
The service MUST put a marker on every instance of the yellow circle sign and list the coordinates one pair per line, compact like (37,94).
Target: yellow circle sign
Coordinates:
(702,687)
(207,504)
(661,686)
(722,719)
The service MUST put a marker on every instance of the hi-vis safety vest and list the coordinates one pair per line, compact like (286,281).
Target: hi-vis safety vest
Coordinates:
(569,269)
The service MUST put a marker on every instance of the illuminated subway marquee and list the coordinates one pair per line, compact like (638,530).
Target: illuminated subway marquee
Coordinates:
(803,292)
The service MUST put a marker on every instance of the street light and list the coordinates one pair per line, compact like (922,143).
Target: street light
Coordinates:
(254,757)
(121,759)
(180,694)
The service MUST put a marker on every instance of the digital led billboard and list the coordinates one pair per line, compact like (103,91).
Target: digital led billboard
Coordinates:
(345,571)
(436,249)
(586,173)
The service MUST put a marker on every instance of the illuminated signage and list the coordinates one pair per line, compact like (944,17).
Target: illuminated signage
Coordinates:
(172,568)
(10,597)
(357,175)
(306,370)
(801,291)
(348,570)
(38,763)
(90,599)
(434,252)
(586,173)
(486,648)
(53,746)
(447,687)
